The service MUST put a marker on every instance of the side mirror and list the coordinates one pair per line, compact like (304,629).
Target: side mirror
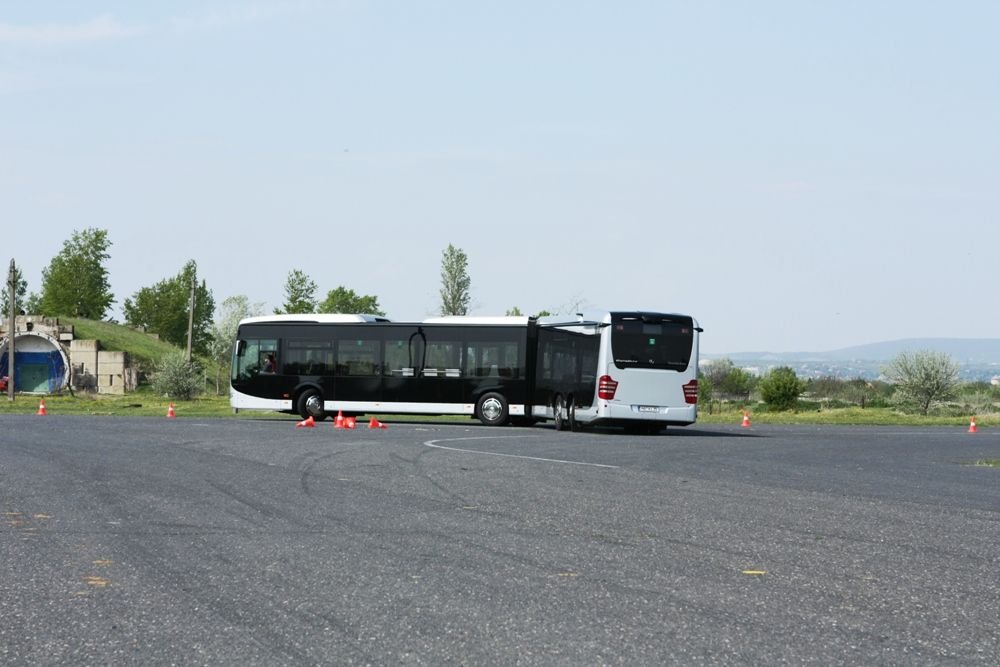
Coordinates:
(241,348)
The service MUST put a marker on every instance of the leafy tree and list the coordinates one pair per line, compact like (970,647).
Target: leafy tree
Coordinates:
(780,388)
(33,304)
(516,312)
(300,294)
(76,282)
(20,289)
(343,300)
(455,281)
(223,332)
(706,390)
(727,380)
(923,377)
(164,309)
(176,377)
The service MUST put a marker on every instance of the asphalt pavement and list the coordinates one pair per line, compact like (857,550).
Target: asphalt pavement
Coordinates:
(127,541)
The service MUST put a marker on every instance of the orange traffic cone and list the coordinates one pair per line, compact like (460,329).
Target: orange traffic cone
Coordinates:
(41,407)
(308,422)
(350,422)
(339,421)
(171,413)
(746,419)
(374,423)
(972,426)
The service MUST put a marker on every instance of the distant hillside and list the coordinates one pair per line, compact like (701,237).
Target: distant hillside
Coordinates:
(963,350)
(978,359)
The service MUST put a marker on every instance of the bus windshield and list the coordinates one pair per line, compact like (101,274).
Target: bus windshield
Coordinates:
(659,342)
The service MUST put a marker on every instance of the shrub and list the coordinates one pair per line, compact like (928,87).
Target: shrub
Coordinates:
(175,377)
(780,388)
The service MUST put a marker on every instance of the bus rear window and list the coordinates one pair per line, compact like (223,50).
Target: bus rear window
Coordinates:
(662,343)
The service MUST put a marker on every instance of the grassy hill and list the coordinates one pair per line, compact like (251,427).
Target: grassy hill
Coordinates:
(144,349)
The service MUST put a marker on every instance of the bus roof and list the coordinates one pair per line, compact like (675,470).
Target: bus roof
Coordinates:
(322,318)
(512,320)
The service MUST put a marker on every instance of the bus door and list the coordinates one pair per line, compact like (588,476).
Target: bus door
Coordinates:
(403,354)
(440,377)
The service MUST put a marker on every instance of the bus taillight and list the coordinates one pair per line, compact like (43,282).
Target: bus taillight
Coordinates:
(691,392)
(606,388)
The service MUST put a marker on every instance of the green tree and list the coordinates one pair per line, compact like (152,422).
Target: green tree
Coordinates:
(780,388)
(164,309)
(33,304)
(20,290)
(223,333)
(514,312)
(300,294)
(727,380)
(706,390)
(76,282)
(455,282)
(922,378)
(343,300)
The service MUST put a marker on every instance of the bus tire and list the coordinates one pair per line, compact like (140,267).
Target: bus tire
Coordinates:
(571,414)
(492,409)
(310,404)
(558,412)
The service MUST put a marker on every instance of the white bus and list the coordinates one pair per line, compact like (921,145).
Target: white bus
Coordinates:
(625,368)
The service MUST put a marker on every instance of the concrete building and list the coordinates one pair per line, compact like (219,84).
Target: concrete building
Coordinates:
(48,359)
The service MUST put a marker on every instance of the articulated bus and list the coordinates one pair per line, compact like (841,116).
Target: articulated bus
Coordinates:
(632,369)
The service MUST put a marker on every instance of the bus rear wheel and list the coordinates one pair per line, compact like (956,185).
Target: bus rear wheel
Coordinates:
(310,404)
(574,425)
(492,409)
(559,412)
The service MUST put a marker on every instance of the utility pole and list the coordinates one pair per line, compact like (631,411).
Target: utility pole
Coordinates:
(11,285)
(194,282)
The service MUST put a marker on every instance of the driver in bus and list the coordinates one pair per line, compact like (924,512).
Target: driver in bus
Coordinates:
(270,366)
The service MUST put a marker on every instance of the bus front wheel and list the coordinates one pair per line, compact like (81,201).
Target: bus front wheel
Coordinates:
(492,409)
(310,404)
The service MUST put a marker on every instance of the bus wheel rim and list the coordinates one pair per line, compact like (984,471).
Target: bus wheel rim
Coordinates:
(492,409)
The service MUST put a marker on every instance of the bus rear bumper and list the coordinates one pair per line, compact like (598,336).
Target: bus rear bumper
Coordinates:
(623,414)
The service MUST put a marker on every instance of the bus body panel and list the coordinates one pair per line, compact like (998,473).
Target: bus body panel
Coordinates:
(379,366)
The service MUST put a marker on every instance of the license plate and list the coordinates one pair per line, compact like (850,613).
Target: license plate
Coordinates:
(648,408)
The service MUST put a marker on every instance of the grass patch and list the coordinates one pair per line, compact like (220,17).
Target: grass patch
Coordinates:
(853,416)
(145,403)
(139,403)
(987,463)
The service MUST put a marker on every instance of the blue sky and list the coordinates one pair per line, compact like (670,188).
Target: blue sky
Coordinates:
(796,175)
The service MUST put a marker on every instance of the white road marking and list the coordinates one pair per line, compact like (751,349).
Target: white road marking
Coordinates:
(433,444)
